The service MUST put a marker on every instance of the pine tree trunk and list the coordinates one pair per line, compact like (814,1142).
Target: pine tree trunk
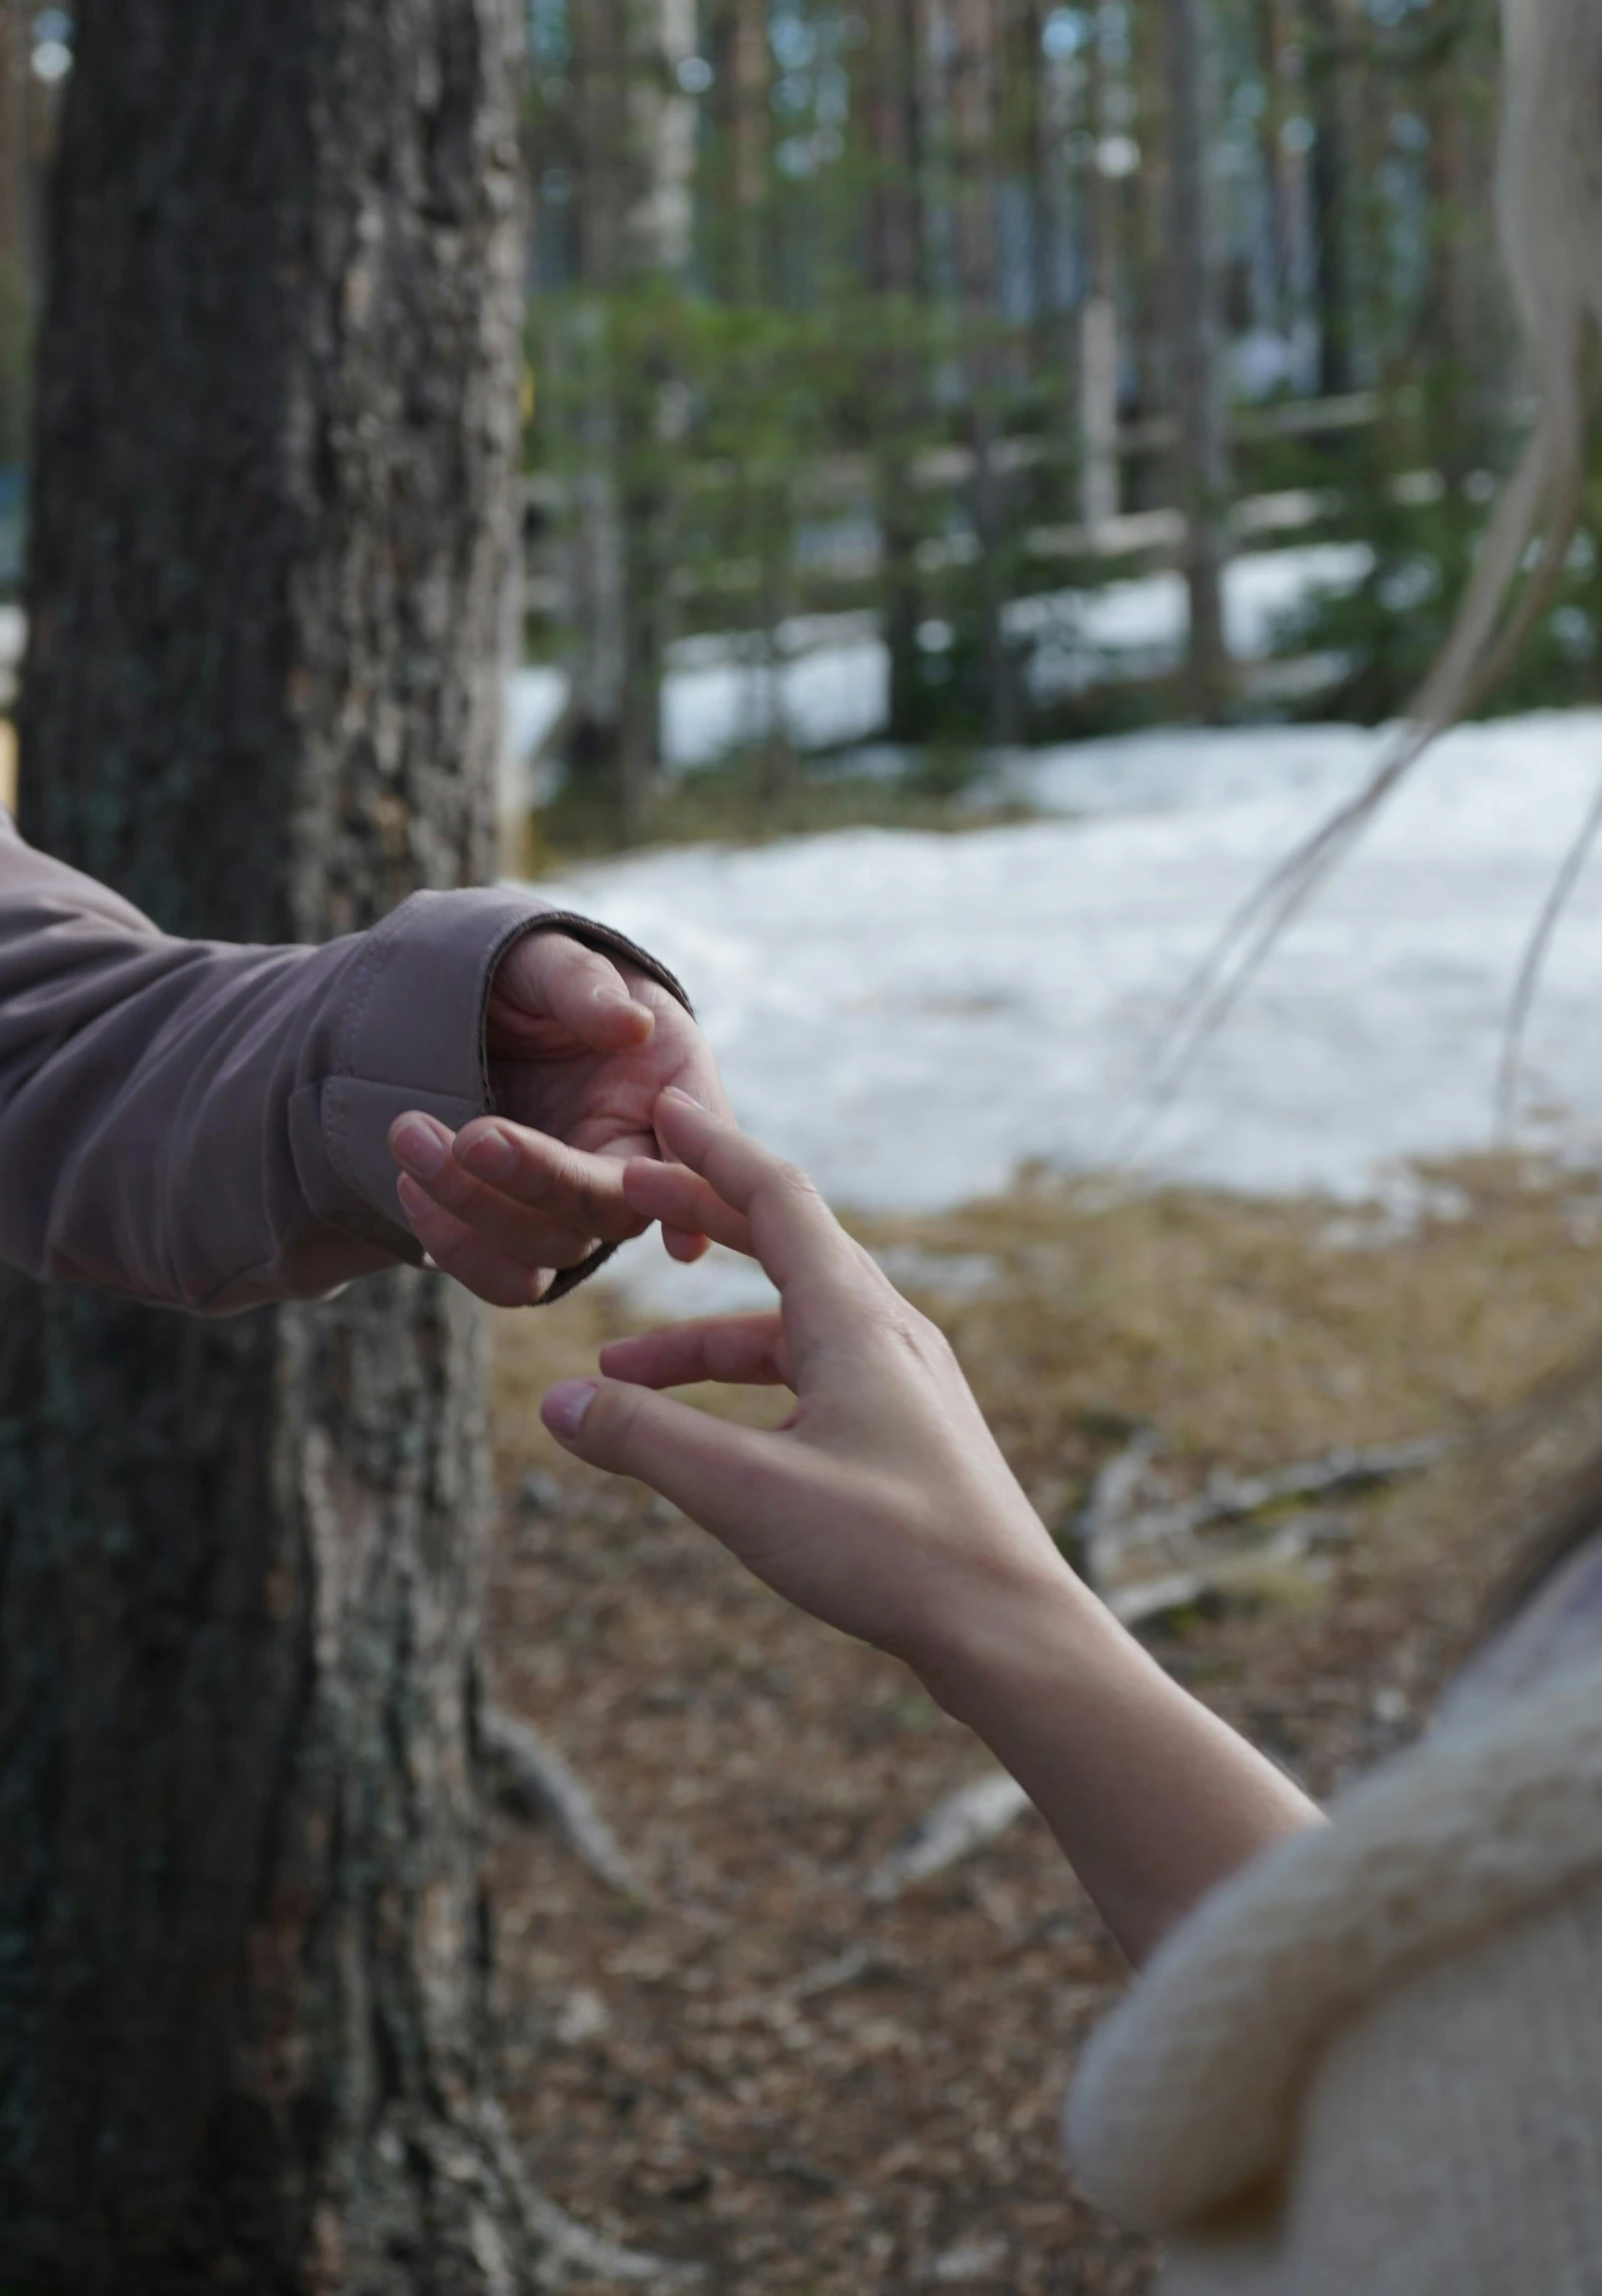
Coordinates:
(1328,182)
(1100,487)
(636,137)
(243,1942)
(888,99)
(1198,362)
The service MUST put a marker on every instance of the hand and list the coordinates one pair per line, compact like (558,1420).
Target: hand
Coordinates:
(883,1507)
(580,1047)
(883,1504)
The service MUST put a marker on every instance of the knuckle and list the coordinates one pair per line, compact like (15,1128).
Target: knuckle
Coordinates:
(791,1183)
(922,1339)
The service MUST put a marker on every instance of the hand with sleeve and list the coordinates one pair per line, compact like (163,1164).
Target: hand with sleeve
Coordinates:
(207,1125)
(883,1505)
(580,1046)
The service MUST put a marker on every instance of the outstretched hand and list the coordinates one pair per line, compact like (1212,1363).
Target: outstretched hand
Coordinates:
(882,1505)
(580,1047)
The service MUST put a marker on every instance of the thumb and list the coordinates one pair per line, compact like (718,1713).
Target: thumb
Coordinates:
(701,1464)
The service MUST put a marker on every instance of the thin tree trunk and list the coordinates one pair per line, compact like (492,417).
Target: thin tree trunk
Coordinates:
(243,1939)
(1198,366)
(1328,174)
(13,136)
(1098,317)
(1278,182)
(893,162)
(735,173)
(974,99)
(638,174)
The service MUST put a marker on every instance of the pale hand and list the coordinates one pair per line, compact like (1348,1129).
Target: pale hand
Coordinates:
(885,1506)
(580,1048)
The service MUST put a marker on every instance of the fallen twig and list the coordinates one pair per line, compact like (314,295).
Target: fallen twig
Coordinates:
(953,1830)
(1238,1573)
(1103,1524)
(1112,1528)
(529,1776)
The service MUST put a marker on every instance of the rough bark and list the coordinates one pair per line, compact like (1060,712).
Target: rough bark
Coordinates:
(243,1940)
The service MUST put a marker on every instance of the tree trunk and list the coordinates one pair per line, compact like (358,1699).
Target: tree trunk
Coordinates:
(243,1939)
(1198,364)
(891,112)
(1099,491)
(638,145)
(973,114)
(1330,222)
(13,140)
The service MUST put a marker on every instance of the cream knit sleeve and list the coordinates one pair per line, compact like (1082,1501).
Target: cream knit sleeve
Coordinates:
(1372,2062)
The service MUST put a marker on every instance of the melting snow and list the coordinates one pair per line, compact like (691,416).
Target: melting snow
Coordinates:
(913,1016)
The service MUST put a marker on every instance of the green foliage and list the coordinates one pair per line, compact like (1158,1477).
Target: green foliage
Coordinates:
(1421,508)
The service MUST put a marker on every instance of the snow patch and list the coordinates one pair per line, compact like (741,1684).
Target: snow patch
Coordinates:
(913,1016)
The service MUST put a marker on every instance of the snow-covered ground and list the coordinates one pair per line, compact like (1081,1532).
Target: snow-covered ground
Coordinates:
(913,1016)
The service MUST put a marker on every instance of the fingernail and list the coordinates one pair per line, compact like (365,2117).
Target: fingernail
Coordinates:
(420,1145)
(564,1406)
(490,1154)
(678,1092)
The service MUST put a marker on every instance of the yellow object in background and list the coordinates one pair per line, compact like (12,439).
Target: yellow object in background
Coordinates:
(8,766)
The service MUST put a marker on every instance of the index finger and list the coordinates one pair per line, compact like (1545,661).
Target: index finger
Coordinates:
(794,1234)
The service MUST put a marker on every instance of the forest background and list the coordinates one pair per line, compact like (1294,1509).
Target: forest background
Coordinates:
(989,344)
(942,323)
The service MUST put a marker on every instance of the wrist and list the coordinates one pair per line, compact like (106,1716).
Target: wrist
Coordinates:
(994,1642)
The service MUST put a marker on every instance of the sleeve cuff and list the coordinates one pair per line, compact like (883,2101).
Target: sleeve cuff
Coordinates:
(412,1037)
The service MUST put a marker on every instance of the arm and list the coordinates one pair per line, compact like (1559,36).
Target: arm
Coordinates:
(206,1126)
(884,1507)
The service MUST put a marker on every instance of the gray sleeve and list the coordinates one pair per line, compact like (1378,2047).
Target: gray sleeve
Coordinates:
(204,1125)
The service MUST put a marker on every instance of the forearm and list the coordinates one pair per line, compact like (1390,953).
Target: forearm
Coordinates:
(1152,1798)
(203,1126)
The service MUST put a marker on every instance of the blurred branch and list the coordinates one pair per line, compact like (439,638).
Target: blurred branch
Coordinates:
(527,1777)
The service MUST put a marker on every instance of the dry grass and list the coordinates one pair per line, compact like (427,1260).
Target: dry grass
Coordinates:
(1246,1333)
(666,2082)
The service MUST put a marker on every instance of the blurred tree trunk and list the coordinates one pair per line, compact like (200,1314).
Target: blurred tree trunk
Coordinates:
(243,1942)
(738,151)
(973,99)
(892,115)
(636,145)
(13,137)
(1325,75)
(1200,376)
(1272,44)
(1099,490)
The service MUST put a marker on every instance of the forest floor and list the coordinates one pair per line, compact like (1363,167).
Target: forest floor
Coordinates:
(811,2095)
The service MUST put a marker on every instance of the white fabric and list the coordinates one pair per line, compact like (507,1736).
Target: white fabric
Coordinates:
(1373,2060)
